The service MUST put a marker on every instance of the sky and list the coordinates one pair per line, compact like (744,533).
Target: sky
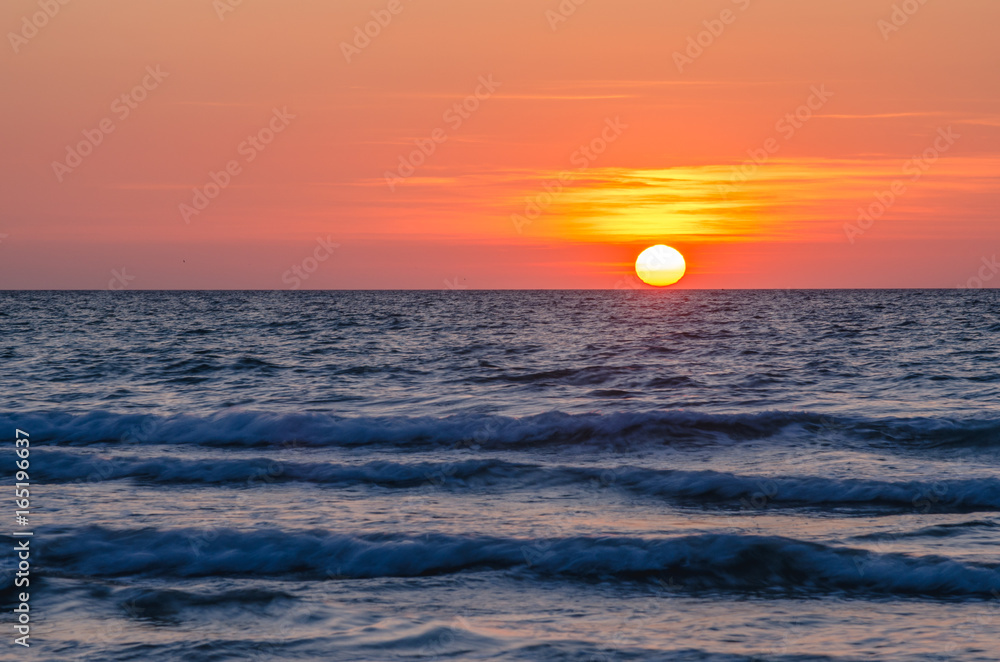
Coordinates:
(482,144)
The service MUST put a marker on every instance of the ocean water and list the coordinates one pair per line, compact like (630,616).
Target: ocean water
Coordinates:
(621,475)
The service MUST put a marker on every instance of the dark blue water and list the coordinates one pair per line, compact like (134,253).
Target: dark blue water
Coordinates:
(677,475)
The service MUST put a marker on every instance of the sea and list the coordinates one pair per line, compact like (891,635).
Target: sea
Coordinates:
(717,476)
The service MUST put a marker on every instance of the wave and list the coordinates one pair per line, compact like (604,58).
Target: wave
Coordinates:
(703,486)
(623,429)
(936,531)
(713,562)
(245,428)
(62,467)
(167,604)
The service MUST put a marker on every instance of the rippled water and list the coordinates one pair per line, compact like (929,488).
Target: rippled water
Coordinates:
(721,476)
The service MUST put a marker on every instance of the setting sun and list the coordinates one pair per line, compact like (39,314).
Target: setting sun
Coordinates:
(660,266)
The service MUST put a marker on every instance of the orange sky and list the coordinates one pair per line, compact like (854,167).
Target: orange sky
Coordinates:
(596,132)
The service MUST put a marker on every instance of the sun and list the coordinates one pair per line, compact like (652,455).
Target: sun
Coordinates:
(660,266)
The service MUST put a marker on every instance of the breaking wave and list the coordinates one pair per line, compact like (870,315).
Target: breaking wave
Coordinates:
(699,562)
(705,486)
(247,428)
